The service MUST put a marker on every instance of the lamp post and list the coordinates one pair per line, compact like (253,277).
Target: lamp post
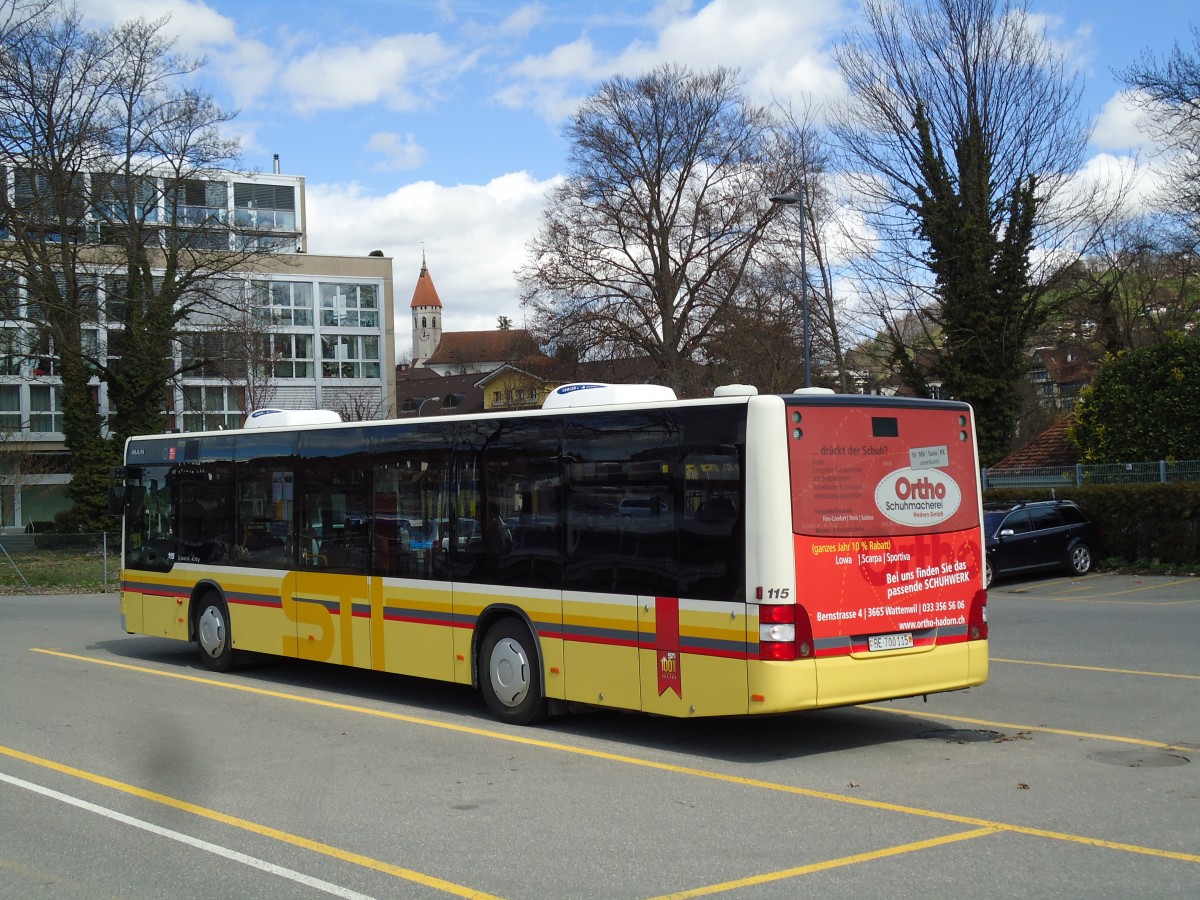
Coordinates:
(798,199)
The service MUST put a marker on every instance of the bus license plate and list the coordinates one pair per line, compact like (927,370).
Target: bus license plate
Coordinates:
(889,641)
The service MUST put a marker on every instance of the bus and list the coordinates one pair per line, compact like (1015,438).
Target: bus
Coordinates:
(732,555)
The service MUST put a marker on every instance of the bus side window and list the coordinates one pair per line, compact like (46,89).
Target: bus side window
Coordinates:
(509,530)
(621,507)
(410,507)
(710,539)
(264,515)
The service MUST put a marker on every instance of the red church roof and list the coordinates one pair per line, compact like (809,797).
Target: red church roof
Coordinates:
(478,347)
(425,293)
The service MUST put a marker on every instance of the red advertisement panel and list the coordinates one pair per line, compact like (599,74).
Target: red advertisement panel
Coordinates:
(885,510)
(874,585)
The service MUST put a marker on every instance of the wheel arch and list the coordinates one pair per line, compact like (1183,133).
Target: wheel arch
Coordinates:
(489,617)
(202,588)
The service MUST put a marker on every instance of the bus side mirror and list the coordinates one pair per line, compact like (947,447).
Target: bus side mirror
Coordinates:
(116,499)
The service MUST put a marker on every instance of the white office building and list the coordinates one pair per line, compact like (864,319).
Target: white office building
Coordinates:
(320,336)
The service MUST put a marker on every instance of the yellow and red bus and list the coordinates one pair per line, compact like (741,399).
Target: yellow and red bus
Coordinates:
(731,555)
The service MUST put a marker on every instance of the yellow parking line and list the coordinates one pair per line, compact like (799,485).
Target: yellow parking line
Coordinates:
(654,765)
(1030,662)
(348,856)
(1153,587)
(1084,586)
(766,878)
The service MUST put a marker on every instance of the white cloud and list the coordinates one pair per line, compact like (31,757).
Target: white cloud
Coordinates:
(198,26)
(779,46)
(398,151)
(1121,124)
(521,22)
(473,237)
(1122,178)
(398,71)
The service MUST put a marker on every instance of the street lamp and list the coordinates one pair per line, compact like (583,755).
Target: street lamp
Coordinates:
(798,199)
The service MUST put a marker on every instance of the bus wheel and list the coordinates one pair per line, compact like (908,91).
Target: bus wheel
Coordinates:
(212,634)
(509,677)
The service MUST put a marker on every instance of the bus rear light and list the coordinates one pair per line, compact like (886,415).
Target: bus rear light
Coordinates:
(977,622)
(784,633)
(777,632)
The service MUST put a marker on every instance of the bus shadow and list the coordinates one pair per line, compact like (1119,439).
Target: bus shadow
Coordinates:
(748,740)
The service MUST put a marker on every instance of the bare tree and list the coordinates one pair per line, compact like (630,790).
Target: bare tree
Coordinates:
(646,241)
(1138,286)
(110,162)
(356,406)
(757,340)
(1168,91)
(963,130)
(54,99)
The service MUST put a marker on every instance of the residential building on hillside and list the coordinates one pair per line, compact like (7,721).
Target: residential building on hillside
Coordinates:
(317,332)
(1059,374)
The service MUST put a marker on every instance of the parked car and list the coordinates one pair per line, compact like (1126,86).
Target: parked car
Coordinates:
(1041,534)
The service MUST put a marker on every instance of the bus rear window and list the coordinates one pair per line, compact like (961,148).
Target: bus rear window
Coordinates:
(885,426)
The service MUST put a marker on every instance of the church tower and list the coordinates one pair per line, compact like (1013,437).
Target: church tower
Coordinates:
(426,317)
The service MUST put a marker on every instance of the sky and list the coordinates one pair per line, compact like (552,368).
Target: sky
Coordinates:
(433,129)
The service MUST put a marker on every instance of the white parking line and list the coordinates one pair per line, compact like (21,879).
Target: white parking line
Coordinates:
(263,865)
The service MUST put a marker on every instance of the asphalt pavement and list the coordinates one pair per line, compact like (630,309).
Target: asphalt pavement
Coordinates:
(128,770)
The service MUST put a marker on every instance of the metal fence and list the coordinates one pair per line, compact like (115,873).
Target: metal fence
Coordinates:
(1163,471)
(52,562)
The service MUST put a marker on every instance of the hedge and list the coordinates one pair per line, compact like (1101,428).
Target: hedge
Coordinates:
(1157,523)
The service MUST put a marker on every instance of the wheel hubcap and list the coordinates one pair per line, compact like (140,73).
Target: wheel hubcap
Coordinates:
(508,672)
(212,631)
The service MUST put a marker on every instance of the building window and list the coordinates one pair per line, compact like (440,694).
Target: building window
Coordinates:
(350,305)
(123,199)
(200,203)
(10,296)
(10,407)
(350,356)
(45,408)
(45,359)
(291,355)
(209,407)
(119,293)
(283,302)
(12,351)
(36,199)
(213,354)
(265,207)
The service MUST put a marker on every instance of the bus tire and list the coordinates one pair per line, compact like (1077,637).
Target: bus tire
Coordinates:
(510,677)
(213,636)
